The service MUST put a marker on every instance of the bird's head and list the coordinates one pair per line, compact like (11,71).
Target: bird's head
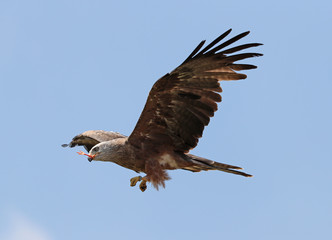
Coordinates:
(97,152)
(90,156)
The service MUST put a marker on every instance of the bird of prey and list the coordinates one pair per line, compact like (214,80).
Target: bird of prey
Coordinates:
(179,106)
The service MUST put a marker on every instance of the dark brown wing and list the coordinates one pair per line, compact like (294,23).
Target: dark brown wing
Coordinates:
(181,103)
(90,138)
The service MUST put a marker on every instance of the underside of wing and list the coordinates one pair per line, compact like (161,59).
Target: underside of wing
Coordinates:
(181,103)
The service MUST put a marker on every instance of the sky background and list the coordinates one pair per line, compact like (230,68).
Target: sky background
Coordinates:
(69,66)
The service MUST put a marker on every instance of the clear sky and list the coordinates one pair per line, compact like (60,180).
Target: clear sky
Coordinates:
(69,66)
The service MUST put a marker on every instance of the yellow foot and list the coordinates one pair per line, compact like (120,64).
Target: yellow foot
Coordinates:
(134,180)
(143,186)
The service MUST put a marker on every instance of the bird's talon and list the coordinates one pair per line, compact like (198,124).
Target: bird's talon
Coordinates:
(134,180)
(143,186)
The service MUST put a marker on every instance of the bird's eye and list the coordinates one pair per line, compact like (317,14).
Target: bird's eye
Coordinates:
(96,149)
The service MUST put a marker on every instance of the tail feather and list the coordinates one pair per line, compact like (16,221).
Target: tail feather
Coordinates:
(199,163)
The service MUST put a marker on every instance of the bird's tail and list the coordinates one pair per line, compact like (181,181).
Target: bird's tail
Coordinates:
(199,164)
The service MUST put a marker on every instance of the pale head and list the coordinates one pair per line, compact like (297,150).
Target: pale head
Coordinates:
(100,152)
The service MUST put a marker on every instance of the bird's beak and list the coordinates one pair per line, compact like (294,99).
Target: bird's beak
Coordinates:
(90,157)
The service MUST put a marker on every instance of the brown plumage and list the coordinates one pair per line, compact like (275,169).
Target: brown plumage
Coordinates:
(179,106)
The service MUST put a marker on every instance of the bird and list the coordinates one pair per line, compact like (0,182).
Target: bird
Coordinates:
(179,106)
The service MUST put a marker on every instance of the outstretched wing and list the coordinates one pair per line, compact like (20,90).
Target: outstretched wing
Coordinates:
(181,103)
(90,138)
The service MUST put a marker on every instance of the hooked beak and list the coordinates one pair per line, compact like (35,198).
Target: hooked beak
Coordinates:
(90,157)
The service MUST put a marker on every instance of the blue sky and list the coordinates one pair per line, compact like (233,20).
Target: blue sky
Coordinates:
(70,66)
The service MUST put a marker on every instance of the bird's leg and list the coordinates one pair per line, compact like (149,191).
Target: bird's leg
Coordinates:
(134,180)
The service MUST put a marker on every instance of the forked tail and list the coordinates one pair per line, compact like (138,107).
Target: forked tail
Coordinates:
(199,164)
